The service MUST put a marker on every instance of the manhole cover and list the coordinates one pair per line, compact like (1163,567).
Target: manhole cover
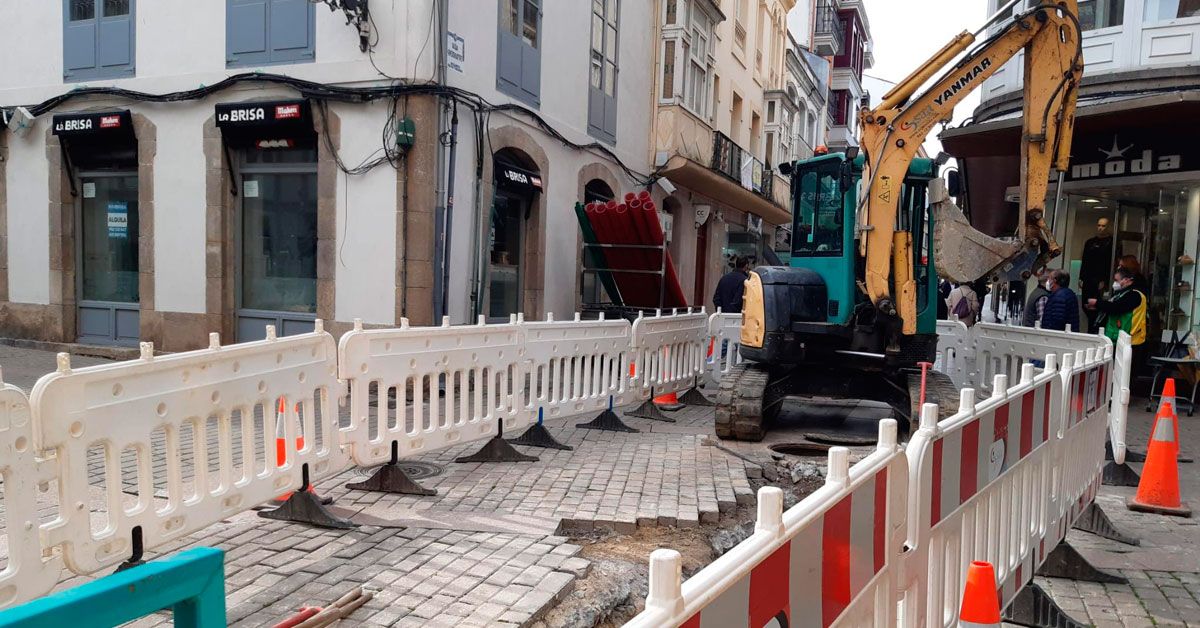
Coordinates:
(418,470)
(849,440)
(801,449)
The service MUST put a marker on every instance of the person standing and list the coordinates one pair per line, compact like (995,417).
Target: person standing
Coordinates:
(1062,306)
(1036,303)
(963,304)
(1124,311)
(1094,266)
(732,287)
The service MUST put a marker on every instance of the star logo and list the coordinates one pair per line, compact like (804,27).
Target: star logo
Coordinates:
(1116,152)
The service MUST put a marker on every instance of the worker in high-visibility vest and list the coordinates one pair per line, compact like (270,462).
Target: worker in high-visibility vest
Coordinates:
(1124,310)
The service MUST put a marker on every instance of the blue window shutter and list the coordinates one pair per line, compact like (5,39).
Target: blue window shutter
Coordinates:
(531,70)
(519,65)
(508,62)
(246,31)
(610,117)
(116,42)
(291,29)
(79,44)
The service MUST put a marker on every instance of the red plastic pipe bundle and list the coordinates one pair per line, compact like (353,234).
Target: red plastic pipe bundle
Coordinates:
(635,221)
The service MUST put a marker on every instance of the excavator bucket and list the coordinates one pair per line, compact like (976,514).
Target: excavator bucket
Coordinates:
(964,254)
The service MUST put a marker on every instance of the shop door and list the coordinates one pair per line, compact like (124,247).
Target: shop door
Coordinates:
(506,238)
(701,265)
(277,256)
(107,249)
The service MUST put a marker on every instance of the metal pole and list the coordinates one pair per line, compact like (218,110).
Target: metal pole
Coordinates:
(449,220)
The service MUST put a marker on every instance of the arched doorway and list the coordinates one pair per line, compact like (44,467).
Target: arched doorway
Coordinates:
(590,292)
(597,190)
(517,184)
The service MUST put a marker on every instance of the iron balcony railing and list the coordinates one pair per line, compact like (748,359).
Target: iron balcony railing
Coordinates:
(829,24)
(738,164)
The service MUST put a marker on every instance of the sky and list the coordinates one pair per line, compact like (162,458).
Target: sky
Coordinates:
(907,32)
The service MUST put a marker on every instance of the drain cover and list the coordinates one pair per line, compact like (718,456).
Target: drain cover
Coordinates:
(418,470)
(801,449)
(841,439)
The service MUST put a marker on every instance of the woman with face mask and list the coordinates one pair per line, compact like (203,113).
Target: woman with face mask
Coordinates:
(1124,311)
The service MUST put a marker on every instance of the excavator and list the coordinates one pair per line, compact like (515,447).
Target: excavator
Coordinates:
(854,313)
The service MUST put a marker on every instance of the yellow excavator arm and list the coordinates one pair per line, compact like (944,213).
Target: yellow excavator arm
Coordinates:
(892,132)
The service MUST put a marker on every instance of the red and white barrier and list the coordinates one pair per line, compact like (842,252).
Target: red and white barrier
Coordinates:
(834,557)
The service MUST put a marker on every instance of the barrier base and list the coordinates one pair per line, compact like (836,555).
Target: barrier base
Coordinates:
(390,478)
(609,422)
(1131,455)
(1032,607)
(650,410)
(1094,521)
(304,506)
(1066,562)
(1119,475)
(538,436)
(497,450)
(694,397)
(1183,510)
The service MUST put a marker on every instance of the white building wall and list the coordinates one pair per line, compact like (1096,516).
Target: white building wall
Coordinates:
(179,205)
(27,174)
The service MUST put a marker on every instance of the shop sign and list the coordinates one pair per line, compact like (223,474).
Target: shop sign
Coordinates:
(118,219)
(259,113)
(515,178)
(1151,151)
(92,122)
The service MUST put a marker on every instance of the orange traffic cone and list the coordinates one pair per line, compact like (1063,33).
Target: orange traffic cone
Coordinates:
(980,601)
(281,441)
(1167,402)
(669,401)
(1158,490)
(711,343)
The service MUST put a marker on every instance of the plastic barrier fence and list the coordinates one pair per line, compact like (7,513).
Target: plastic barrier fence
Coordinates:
(1000,480)
(1001,349)
(573,367)
(832,557)
(191,584)
(724,337)
(435,387)
(160,412)
(1119,413)
(955,352)
(669,351)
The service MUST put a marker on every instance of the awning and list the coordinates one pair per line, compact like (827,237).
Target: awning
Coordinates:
(517,179)
(246,122)
(708,182)
(110,123)
(96,140)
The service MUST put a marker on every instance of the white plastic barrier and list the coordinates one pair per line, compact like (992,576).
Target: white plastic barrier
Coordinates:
(160,412)
(28,573)
(832,558)
(451,385)
(1119,414)
(724,339)
(1084,423)
(1001,349)
(573,367)
(669,352)
(955,352)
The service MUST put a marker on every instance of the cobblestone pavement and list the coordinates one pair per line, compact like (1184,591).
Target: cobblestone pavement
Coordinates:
(1164,572)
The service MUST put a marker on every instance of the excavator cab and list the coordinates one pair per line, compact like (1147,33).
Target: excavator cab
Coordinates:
(816,303)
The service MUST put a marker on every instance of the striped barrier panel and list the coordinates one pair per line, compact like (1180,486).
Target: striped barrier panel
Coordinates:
(160,412)
(573,367)
(28,573)
(831,559)
(724,339)
(434,387)
(669,352)
(980,479)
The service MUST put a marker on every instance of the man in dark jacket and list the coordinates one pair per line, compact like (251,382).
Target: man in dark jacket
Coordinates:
(1036,302)
(1094,266)
(1062,306)
(731,287)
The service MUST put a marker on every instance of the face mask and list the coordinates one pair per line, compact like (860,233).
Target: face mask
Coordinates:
(1049,284)
(1117,286)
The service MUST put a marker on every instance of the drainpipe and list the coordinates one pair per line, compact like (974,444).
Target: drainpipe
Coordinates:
(439,234)
(477,254)
(449,221)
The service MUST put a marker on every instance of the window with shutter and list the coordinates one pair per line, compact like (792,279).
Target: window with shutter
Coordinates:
(269,32)
(97,39)
(518,54)
(602,88)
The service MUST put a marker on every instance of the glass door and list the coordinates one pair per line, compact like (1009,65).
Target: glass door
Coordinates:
(277,255)
(506,239)
(107,249)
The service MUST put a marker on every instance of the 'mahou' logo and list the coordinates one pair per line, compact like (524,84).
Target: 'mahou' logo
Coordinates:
(1116,165)
(963,81)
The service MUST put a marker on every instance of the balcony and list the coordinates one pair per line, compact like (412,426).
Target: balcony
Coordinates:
(692,155)
(739,165)
(829,31)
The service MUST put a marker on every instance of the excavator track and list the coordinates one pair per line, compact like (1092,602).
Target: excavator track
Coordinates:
(939,389)
(741,399)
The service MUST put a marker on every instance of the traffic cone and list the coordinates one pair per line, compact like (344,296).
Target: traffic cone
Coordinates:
(281,442)
(980,601)
(711,342)
(1167,403)
(669,401)
(1158,491)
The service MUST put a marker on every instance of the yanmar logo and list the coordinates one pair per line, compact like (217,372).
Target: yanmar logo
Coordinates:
(110,122)
(284,112)
(963,81)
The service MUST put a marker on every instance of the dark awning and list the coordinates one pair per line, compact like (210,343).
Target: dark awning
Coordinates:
(517,179)
(276,119)
(117,122)
(98,139)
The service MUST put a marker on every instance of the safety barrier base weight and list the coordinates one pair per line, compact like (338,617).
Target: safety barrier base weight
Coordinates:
(538,436)
(391,478)
(1032,607)
(304,506)
(497,450)
(1094,521)
(1066,562)
(693,397)
(607,421)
